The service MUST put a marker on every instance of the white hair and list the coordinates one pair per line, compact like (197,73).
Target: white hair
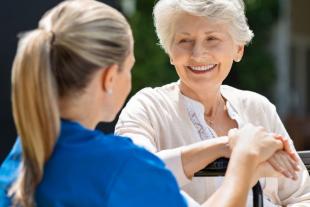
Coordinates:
(226,11)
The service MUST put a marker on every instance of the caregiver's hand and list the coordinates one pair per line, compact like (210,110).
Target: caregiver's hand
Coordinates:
(254,140)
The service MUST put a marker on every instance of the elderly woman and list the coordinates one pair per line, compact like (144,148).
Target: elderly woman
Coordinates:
(179,121)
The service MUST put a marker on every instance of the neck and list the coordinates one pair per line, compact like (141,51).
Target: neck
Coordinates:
(211,98)
(80,109)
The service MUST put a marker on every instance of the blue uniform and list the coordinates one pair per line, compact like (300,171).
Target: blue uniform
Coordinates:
(89,168)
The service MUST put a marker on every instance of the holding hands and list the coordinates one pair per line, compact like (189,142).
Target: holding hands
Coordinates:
(272,153)
(254,153)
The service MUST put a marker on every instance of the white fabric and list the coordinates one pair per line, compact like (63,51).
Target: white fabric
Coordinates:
(190,201)
(159,120)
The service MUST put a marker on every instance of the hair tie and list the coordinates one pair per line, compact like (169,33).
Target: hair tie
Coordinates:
(53,37)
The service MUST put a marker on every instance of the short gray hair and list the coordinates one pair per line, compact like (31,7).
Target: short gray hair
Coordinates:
(227,11)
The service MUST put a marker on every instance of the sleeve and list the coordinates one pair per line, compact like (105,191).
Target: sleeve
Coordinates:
(282,190)
(144,181)
(137,121)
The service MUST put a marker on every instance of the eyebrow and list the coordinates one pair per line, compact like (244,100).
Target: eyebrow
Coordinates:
(211,32)
(184,33)
(188,34)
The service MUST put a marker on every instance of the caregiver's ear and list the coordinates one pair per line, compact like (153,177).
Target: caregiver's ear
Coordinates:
(109,78)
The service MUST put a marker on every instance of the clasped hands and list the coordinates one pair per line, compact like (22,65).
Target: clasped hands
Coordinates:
(282,161)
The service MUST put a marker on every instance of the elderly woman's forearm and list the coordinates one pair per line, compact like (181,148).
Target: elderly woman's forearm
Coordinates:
(197,156)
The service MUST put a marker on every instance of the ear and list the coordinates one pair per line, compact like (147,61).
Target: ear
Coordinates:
(239,53)
(108,78)
(171,59)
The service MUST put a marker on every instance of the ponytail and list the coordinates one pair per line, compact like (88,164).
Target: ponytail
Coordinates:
(35,111)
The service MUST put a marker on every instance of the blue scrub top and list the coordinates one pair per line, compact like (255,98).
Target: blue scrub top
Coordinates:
(89,168)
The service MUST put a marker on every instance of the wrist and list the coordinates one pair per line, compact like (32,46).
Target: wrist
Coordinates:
(243,168)
(224,148)
(246,157)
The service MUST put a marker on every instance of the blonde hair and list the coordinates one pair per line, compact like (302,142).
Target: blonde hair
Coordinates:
(58,59)
(227,11)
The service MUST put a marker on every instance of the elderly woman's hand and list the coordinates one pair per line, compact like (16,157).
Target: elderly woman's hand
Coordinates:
(272,168)
(287,147)
(283,162)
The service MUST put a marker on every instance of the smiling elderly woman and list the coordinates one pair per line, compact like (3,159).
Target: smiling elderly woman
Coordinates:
(179,121)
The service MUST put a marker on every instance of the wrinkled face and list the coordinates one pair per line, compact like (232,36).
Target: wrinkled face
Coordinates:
(202,51)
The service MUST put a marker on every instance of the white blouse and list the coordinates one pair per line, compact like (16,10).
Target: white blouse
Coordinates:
(195,112)
(163,120)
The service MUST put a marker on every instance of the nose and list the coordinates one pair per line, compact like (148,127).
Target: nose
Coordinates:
(199,52)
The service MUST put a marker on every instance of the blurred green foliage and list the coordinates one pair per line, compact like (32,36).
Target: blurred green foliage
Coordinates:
(255,72)
(152,67)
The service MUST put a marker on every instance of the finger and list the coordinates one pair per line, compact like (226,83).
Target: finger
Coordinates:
(278,144)
(295,157)
(293,163)
(291,169)
(287,163)
(287,147)
(277,167)
(287,171)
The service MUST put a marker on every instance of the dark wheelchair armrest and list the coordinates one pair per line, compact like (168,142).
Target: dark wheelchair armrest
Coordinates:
(219,167)
(305,157)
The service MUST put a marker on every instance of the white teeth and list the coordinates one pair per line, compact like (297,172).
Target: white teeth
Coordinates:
(202,68)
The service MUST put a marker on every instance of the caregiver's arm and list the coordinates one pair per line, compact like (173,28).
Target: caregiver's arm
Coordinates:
(253,148)
(239,173)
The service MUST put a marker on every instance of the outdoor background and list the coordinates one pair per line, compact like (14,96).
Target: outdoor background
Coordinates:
(276,64)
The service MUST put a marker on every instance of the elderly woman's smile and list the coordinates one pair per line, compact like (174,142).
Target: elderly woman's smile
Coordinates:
(202,68)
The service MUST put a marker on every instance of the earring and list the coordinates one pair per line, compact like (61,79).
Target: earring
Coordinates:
(237,60)
(109,91)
